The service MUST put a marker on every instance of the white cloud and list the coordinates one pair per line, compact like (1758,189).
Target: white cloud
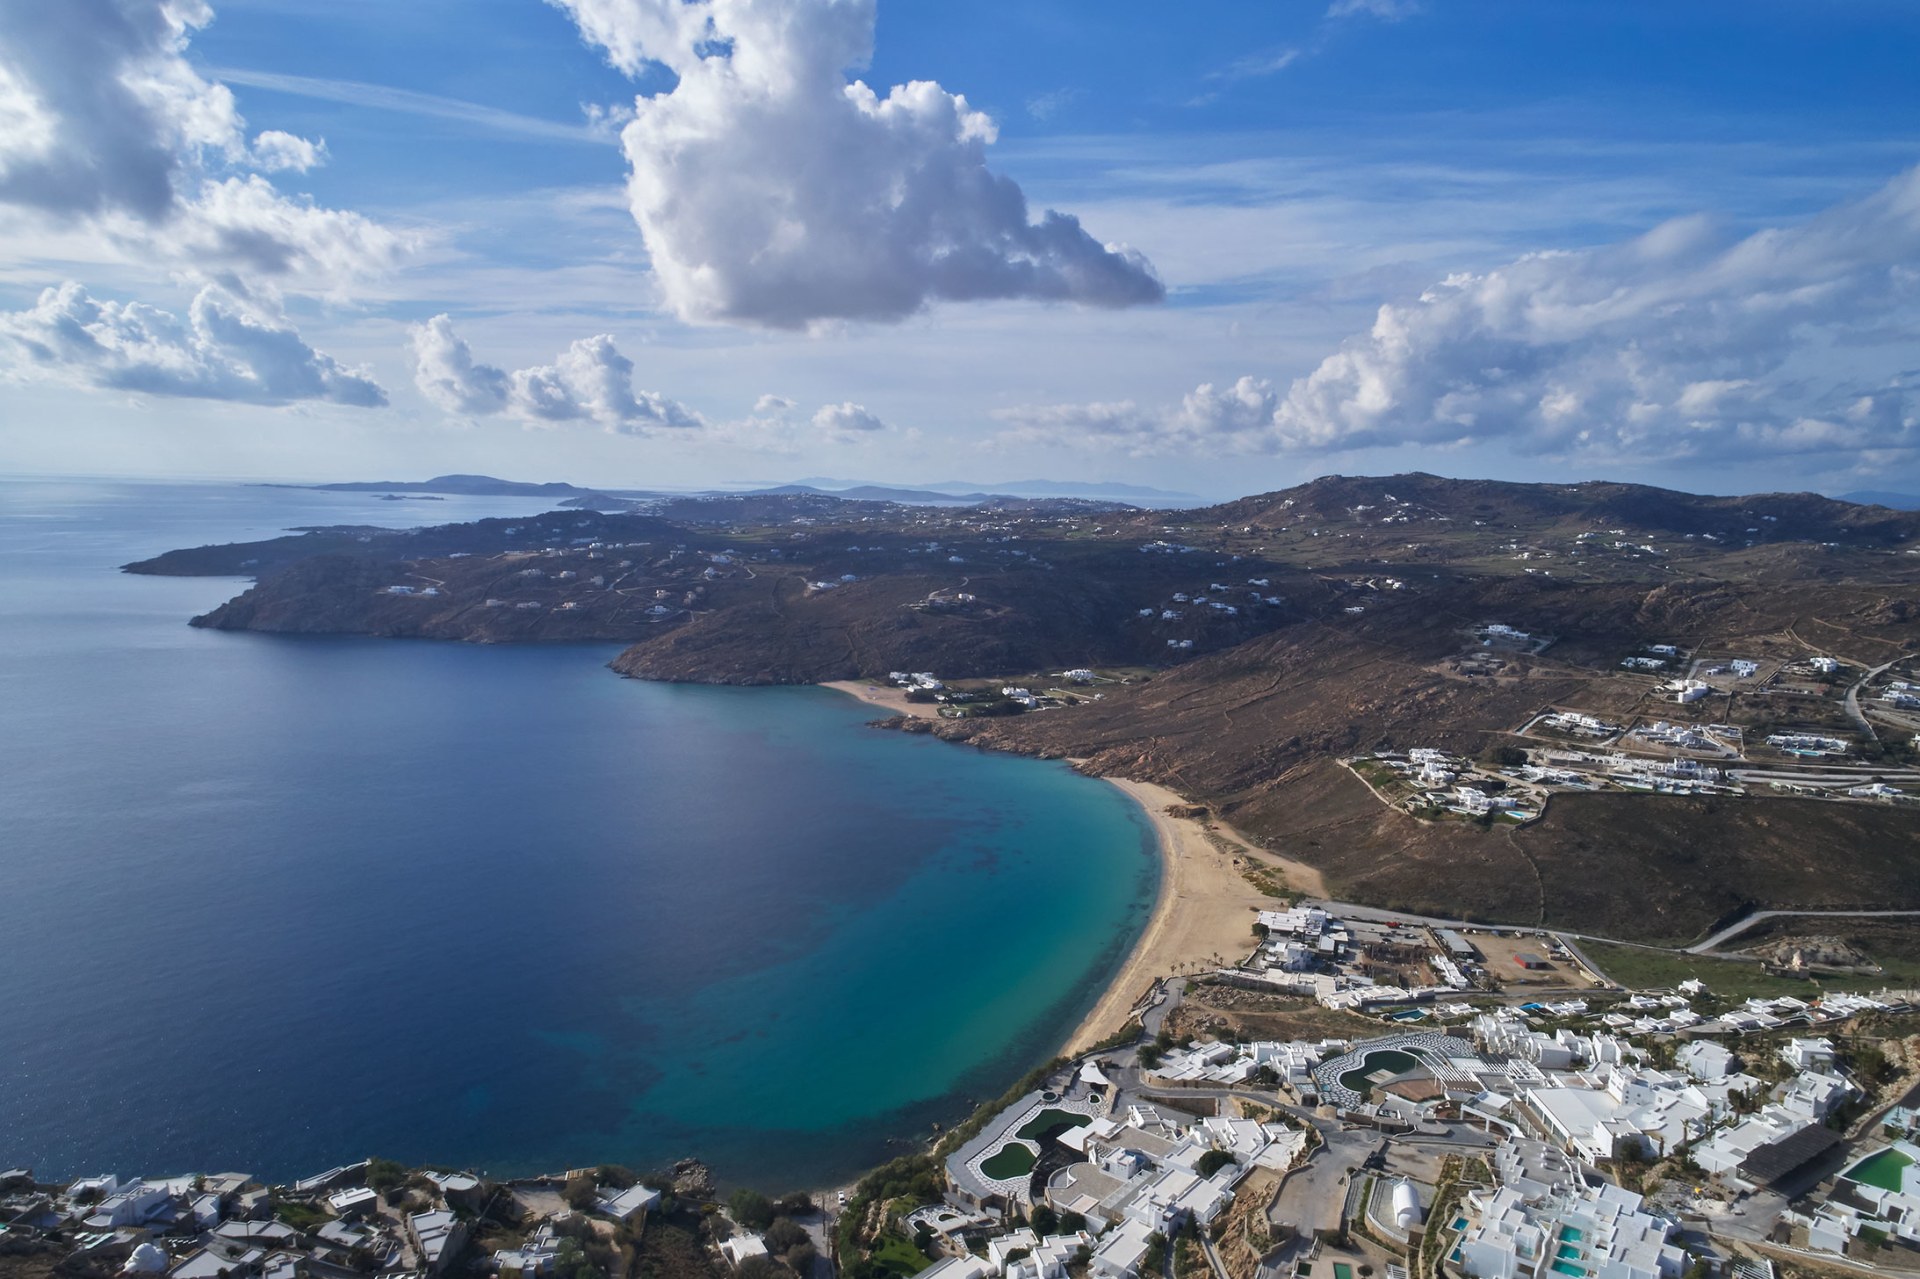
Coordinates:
(777,426)
(113,114)
(1255,65)
(1385,10)
(589,381)
(447,374)
(773,191)
(242,223)
(846,421)
(103,120)
(224,350)
(1209,420)
(278,152)
(1683,342)
(1045,106)
(477,116)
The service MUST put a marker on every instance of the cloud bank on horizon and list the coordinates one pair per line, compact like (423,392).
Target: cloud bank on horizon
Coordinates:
(773,191)
(1678,343)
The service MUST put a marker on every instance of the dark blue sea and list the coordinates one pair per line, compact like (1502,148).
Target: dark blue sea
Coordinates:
(269,904)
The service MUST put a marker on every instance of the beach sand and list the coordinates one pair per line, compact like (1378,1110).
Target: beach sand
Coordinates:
(884,696)
(1204,916)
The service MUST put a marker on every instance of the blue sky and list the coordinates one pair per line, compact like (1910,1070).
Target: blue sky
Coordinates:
(798,286)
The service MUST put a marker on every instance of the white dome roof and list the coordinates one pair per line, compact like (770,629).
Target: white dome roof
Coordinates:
(146,1260)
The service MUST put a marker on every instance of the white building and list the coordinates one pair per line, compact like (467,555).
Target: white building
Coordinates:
(438,1236)
(625,1205)
(1704,1059)
(741,1247)
(1808,1054)
(1598,1230)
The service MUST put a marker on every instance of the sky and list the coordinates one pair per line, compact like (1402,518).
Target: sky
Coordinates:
(1212,247)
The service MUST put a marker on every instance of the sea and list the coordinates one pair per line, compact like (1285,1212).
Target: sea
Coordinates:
(271,904)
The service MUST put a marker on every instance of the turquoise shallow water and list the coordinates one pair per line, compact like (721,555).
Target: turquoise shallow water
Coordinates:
(273,903)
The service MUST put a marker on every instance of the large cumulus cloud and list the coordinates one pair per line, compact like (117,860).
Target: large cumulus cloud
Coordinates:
(591,381)
(773,191)
(103,121)
(225,349)
(1687,341)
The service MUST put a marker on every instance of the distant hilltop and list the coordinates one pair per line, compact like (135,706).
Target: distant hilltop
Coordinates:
(946,493)
(1892,501)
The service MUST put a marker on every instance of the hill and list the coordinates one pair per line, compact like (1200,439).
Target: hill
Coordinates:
(1251,647)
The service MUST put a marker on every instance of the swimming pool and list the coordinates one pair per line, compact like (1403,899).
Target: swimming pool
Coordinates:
(1883,1170)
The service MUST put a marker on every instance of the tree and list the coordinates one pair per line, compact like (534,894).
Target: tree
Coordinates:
(784,1233)
(751,1208)
(1072,1223)
(571,1262)
(385,1173)
(614,1175)
(1213,1161)
(1044,1220)
(580,1192)
(1870,1064)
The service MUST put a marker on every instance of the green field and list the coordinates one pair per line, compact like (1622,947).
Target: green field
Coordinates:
(898,1255)
(1639,969)
(1010,1161)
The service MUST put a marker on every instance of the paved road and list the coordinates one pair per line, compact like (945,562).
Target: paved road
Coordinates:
(1172,991)
(1854,712)
(1735,929)
(1373,914)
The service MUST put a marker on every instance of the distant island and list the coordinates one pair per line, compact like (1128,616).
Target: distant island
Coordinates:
(1893,501)
(943,494)
(460,485)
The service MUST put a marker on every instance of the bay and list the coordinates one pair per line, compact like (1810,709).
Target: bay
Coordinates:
(272,903)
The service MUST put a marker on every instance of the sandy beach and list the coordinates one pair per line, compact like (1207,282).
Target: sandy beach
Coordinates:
(886,697)
(1205,912)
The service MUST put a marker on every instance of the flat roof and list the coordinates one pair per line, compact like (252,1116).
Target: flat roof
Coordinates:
(1771,1162)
